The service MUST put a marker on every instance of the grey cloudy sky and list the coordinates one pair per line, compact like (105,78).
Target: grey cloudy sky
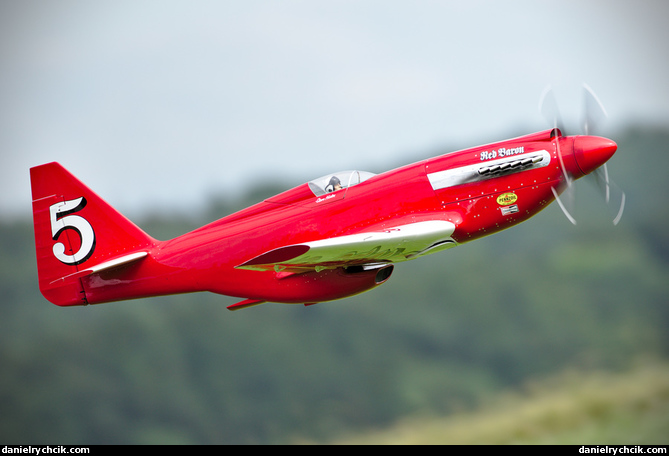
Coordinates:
(161,104)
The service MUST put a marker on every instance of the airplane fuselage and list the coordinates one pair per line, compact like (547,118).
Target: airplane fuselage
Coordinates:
(477,191)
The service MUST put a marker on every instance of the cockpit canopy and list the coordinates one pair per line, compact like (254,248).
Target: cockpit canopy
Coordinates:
(335,181)
(322,189)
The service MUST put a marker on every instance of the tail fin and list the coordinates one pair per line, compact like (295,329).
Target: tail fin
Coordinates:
(77,232)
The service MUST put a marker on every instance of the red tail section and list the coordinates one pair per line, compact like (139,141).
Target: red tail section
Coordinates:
(76,231)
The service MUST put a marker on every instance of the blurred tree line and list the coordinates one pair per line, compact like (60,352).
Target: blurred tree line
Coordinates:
(445,334)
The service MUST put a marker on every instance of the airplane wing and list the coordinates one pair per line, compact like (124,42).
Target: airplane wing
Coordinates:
(387,245)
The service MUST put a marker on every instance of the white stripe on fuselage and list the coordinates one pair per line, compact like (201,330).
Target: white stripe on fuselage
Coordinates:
(470,173)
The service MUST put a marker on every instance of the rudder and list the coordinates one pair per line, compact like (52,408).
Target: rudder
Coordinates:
(74,230)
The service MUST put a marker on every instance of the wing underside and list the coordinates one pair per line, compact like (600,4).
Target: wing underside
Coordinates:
(387,245)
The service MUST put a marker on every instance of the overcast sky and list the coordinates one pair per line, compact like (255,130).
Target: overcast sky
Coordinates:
(162,104)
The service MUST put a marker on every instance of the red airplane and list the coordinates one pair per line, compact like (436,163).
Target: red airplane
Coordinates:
(327,239)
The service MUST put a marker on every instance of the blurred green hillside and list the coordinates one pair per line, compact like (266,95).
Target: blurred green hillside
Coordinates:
(571,408)
(445,337)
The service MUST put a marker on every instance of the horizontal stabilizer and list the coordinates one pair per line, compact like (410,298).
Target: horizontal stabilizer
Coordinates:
(105,266)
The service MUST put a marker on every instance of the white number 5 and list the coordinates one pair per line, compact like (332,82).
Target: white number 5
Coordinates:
(61,219)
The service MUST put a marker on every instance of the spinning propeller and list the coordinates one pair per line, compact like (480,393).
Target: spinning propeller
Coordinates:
(589,152)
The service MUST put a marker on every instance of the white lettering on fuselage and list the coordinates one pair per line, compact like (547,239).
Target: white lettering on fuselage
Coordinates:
(501,152)
(332,195)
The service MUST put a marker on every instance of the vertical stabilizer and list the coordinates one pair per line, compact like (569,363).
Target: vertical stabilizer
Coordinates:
(75,230)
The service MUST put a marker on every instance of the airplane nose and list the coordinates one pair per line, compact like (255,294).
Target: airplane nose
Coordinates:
(591,152)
